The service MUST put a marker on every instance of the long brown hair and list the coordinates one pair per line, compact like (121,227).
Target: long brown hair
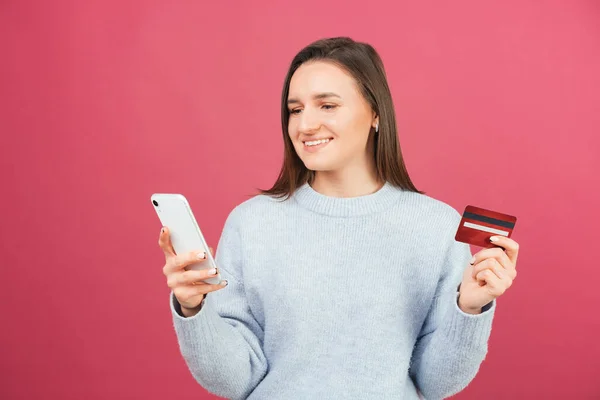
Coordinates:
(364,64)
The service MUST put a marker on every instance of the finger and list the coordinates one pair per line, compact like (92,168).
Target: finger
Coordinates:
(207,288)
(164,241)
(495,285)
(177,263)
(497,253)
(489,264)
(186,293)
(189,277)
(510,246)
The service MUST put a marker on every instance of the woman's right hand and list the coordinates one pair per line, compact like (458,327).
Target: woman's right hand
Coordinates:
(188,286)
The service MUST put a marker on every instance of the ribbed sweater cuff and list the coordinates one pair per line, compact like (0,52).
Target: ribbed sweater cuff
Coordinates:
(191,328)
(469,331)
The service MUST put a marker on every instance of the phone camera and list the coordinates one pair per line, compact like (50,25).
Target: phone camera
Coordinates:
(155,203)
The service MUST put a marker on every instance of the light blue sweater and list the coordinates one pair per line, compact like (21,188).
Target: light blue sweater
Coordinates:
(337,298)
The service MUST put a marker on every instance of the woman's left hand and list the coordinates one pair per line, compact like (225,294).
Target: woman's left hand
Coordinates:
(491,273)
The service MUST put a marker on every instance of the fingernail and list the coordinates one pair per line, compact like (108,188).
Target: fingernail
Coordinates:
(472,260)
(224,283)
(212,271)
(493,239)
(162,230)
(202,255)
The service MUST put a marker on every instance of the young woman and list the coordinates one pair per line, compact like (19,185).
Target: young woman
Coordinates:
(342,280)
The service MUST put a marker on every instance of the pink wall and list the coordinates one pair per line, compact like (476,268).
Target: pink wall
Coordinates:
(104,103)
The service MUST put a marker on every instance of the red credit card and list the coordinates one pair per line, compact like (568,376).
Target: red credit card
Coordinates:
(478,225)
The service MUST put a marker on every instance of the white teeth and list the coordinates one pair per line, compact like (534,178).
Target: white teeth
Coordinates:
(316,142)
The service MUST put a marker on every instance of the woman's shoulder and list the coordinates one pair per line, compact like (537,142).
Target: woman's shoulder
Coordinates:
(425,206)
(258,207)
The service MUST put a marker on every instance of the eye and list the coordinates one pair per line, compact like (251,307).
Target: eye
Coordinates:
(295,111)
(329,106)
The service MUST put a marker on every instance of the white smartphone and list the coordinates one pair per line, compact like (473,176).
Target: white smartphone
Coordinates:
(175,213)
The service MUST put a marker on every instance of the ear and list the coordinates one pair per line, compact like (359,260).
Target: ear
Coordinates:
(375,120)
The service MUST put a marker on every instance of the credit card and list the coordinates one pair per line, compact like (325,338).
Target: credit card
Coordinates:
(478,225)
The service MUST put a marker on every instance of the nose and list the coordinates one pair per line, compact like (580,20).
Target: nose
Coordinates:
(308,122)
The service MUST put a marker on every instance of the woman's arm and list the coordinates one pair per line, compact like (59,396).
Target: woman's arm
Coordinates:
(222,342)
(452,344)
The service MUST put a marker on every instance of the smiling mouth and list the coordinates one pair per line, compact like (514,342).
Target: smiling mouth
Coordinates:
(315,143)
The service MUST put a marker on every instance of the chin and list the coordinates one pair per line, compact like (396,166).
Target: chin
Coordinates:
(319,165)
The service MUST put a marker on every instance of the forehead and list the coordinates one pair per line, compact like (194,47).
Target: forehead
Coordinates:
(320,76)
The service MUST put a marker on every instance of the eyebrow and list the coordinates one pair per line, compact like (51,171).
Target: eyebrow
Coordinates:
(317,96)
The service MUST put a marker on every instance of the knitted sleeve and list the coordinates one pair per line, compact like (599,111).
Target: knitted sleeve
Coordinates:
(222,343)
(452,344)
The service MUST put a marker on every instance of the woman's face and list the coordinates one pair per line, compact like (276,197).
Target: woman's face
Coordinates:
(329,120)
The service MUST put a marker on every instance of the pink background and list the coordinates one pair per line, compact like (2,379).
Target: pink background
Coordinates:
(104,103)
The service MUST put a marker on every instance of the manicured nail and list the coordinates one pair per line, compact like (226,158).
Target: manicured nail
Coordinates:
(493,239)
(202,255)
(212,271)
(472,260)
(224,283)
(162,230)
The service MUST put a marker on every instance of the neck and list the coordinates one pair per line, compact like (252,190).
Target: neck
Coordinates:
(352,181)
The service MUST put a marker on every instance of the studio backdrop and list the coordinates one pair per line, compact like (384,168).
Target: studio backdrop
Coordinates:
(103,103)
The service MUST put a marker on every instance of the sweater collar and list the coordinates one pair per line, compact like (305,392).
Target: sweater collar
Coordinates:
(380,200)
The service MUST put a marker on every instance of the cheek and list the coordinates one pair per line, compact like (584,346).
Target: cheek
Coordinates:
(345,125)
(356,142)
(293,135)
(351,133)
(333,124)
(292,130)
